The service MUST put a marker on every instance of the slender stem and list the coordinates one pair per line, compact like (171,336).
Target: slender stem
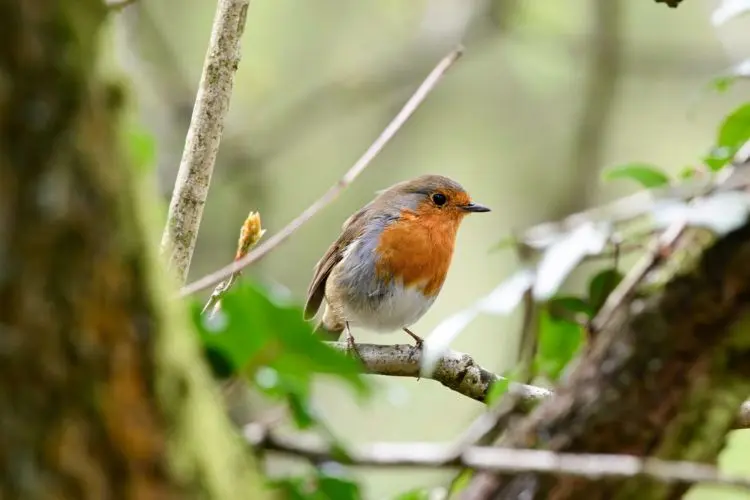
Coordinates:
(204,136)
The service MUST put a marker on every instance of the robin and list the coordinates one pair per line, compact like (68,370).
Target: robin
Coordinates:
(389,263)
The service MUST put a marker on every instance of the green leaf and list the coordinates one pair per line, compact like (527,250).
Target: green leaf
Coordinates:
(292,488)
(648,176)
(266,339)
(335,487)
(718,157)
(687,172)
(498,388)
(254,329)
(562,307)
(733,133)
(300,409)
(460,481)
(220,365)
(417,494)
(142,148)
(600,286)
(559,342)
(735,129)
(220,337)
(723,83)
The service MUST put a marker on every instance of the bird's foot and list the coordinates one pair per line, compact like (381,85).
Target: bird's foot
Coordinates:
(351,346)
(418,341)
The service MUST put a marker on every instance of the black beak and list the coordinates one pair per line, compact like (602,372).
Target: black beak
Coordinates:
(474,207)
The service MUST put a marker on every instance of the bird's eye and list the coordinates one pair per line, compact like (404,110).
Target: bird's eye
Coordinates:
(439,199)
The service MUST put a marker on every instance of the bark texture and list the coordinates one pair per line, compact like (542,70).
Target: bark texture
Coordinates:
(664,379)
(204,135)
(87,389)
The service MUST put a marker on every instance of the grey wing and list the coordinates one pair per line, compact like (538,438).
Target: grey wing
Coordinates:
(316,291)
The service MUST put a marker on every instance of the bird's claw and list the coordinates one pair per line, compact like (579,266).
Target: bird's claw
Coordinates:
(351,348)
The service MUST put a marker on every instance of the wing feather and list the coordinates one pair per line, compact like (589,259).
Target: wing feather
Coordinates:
(351,229)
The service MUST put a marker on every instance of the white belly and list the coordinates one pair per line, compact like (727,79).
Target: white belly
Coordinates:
(399,308)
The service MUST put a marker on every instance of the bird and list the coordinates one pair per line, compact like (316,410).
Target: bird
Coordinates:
(389,263)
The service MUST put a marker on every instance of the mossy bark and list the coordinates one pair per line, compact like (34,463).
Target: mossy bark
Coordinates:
(664,379)
(102,393)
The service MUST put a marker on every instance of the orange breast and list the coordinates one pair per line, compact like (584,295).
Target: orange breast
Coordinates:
(418,250)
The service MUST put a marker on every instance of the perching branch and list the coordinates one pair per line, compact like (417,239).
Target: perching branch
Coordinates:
(203,137)
(459,372)
(507,460)
(455,370)
(363,162)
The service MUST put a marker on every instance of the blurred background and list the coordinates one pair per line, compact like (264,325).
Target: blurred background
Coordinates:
(546,95)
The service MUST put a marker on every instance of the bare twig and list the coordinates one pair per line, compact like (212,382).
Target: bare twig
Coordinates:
(591,466)
(640,204)
(529,337)
(619,295)
(204,136)
(398,121)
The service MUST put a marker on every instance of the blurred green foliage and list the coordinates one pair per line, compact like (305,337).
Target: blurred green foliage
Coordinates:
(141,148)
(263,338)
(646,175)
(732,134)
(319,485)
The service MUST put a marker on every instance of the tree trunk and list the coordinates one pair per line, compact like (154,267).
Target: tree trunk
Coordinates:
(664,379)
(95,368)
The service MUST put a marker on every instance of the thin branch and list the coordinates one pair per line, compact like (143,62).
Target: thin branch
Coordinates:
(459,372)
(204,136)
(455,370)
(398,121)
(507,460)
(661,247)
(630,208)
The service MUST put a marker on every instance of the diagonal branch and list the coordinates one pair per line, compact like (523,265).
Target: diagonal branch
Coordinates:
(203,137)
(363,162)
